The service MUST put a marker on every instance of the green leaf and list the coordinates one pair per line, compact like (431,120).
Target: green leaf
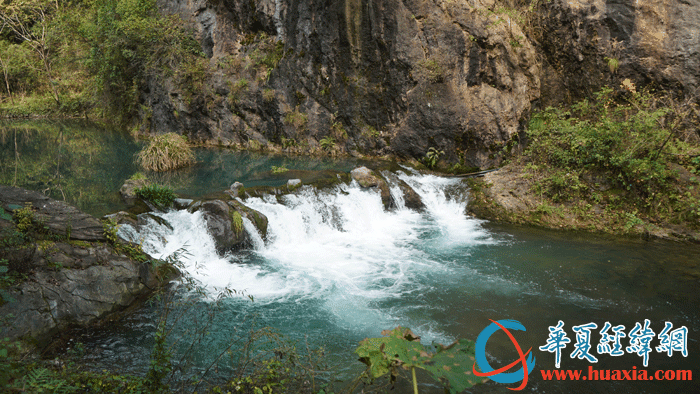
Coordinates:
(452,365)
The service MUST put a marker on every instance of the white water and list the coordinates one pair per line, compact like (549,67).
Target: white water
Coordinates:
(338,247)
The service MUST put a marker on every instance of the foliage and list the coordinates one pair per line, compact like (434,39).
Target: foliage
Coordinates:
(400,348)
(126,38)
(626,149)
(237,90)
(162,196)
(268,95)
(432,157)
(297,119)
(434,71)
(613,64)
(288,142)
(24,218)
(165,152)
(278,170)
(327,142)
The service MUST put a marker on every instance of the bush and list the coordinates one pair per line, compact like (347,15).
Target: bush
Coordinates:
(165,152)
(159,195)
(626,149)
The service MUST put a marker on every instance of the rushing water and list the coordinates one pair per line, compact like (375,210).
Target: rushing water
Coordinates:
(336,267)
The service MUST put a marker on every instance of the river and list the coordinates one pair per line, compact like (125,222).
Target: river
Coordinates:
(336,267)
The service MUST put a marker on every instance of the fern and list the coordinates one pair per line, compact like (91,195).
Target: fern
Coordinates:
(42,380)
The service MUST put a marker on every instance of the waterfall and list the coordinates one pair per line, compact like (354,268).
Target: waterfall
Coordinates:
(337,247)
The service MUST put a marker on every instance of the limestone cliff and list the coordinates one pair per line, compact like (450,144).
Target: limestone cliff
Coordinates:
(400,76)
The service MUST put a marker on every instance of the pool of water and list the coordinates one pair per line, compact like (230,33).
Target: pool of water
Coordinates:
(85,164)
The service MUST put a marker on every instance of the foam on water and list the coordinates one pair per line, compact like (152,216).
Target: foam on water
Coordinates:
(339,247)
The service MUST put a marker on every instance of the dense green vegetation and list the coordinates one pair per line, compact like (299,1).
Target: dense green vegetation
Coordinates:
(85,57)
(629,154)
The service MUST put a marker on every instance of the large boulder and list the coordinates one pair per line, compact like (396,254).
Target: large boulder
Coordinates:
(225,223)
(70,282)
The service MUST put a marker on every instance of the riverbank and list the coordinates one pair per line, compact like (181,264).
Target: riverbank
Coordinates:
(506,196)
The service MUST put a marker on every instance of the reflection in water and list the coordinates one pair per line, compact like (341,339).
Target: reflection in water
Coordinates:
(86,164)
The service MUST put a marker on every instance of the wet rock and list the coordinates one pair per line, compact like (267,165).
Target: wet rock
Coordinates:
(365,177)
(225,223)
(58,217)
(259,220)
(228,233)
(182,203)
(70,282)
(123,217)
(369,179)
(237,189)
(142,220)
(411,199)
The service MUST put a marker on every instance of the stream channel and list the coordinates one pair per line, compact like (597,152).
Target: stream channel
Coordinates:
(336,267)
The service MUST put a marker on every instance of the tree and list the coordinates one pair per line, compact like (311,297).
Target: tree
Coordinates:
(28,20)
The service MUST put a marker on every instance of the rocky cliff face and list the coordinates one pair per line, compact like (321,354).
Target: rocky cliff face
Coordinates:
(400,76)
(653,42)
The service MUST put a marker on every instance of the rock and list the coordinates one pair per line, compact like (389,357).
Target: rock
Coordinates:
(128,189)
(443,74)
(70,282)
(259,220)
(162,222)
(411,199)
(182,203)
(225,223)
(58,217)
(367,178)
(237,189)
(123,217)
(653,41)
(293,182)
(54,301)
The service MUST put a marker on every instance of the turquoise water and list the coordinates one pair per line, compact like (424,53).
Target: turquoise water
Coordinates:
(336,268)
(85,164)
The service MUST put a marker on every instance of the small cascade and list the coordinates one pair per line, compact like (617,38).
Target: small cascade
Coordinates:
(338,247)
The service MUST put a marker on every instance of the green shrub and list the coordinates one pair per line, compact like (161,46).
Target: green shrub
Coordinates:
(165,152)
(278,170)
(297,119)
(629,145)
(159,195)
